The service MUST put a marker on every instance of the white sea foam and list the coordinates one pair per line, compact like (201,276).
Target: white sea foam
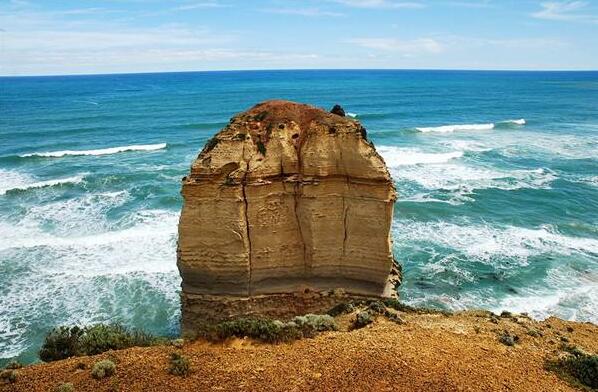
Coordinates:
(398,156)
(568,290)
(568,295)
(459,127)
(468,127)
(103,151)
(353,115)
(461,180)
(520,121)
(13,180)
(467,145)
(88,278)
(444,172)
(495,245)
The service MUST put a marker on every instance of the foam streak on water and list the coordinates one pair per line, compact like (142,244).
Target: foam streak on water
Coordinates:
(101,151)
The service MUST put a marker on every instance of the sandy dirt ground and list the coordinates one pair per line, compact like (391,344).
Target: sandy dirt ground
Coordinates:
(429,352)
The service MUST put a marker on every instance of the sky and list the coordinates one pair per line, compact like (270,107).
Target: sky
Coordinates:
(127,36)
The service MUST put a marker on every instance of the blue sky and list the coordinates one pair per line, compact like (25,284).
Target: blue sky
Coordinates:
(113,36)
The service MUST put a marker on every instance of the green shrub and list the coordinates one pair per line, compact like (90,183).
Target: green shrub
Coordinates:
(577,366)
(274,331)
(311,324)
(178,343)
(179,365)
(508,339)
(65,342)
(103,368)
(66,387)
(395,318)
(377,307)
(9,376)
(534,333)
(266,330)
(14,365)
(362,319)
(398,305)
(342,308)
(61,343)
(101,338)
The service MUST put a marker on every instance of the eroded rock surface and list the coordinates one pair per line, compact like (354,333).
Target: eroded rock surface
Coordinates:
(287,210)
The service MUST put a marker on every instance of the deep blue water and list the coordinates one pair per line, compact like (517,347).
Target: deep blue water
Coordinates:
(492,213)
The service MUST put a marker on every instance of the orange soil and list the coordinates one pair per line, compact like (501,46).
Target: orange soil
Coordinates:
(430,352)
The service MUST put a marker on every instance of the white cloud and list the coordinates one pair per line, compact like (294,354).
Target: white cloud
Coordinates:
(35,43)
(302,11)
(380,4)
(565,10)
(202,4)
(410,47)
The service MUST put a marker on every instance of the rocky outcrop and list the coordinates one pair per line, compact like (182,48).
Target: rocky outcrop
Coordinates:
(286,210)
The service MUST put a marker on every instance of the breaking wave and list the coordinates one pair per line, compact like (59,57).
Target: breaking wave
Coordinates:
(397,156)
(14,181)
(102,151)
(470,127)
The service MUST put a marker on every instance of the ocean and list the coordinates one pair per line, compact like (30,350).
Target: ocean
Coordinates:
(497,176)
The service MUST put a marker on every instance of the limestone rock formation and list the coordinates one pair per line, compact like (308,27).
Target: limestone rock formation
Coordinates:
(287,210)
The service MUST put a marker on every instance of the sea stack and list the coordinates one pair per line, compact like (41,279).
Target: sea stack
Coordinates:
(287,211)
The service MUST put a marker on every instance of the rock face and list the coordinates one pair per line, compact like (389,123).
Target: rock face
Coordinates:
(287,210)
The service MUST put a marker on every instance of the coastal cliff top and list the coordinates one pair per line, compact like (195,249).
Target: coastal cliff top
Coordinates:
(429,352)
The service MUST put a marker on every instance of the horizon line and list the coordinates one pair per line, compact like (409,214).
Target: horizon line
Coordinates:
(302,69)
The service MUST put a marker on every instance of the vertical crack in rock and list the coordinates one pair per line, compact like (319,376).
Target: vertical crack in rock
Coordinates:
(237,261)
(246,203)
(246,212)
(306,263)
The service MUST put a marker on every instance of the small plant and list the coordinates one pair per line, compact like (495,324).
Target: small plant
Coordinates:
(14,365)
(508,339)
(210,144)
(310,324)
(342,308)
(398,305)
(179,365)
(65,342)
(178,343)
(362,319)
(577,366)
(534,333)
(377,307)
(9,376)
(103,337)
(260,116)
(266,330)
(274,331)
(394,317)
(103,368)
(65,387)
(61,343)
(261,148)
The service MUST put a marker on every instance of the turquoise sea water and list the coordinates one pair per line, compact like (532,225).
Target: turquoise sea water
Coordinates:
(499,210)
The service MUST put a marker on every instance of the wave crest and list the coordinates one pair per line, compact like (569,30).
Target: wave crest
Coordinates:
(14,181)
(396,156)
(102,151)
(470,127)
